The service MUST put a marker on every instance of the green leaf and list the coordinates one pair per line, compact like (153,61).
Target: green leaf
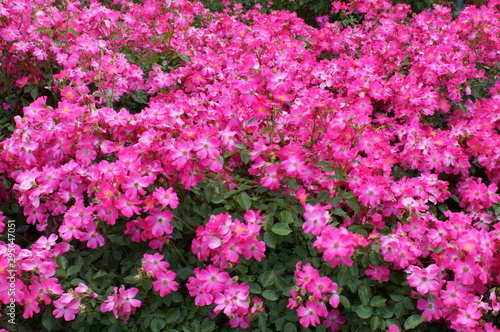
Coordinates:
(267,278)
(48,320)
(397,297)
(322,196)
(399,310)
(408,303)
(73,32)
(244,201)
(280,324)
(339,173)
(99,274)
(375,323)
(335,201)
(157,325)
(377,301)
(269,295)
(286,217)
(324,163)
(289,327)
(117,239)
(62,262)
(172,315)
(262,322)
(413,321)
(364,312)
(339,212)
(281,229)
(365,294)
(184,273)
(245,157)
(345,302)
(255,288)
(353,204)
(34,92)
(270,239)
(73,270)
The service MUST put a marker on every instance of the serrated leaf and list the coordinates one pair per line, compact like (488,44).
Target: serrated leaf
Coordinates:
(364,312)
(48,320)
(399,310)
(340,213)
(73,32)
(281,229)
(117,239)
(345,302)
(245,156)
(262,322)
(267,279)
(375,323)
(62,262)
(397,297)
(280,324)
(184,273)
(322,196)
(365,294)
(73,270)
(286,217)
(99,274)
(353,204)
(77,281)
(269,295)
(324,163)
(244,201)
(34,93)
(335,201)
(157,325)
(377,301)
(413,321)
(289,327)
(270,239)
(207,326)
(172,315)
(255,288)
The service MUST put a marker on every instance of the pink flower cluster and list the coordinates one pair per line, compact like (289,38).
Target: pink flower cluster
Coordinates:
(212,285)
(455,286)
(30,272)
(69,304)
(224,239)
(336,244)
(154,266)
(385,112)
(311,294)
(122,302)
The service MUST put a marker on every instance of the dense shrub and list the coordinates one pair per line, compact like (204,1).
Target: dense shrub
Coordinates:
(310,10)
(196,171)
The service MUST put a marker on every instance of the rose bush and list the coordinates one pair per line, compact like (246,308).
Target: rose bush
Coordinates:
(196,171)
